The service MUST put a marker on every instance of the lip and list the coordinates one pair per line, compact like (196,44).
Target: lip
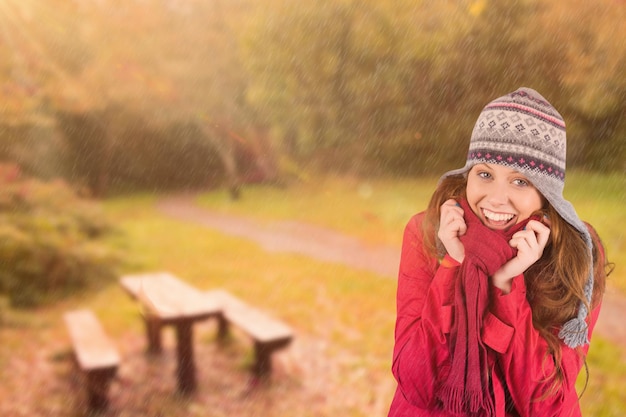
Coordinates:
(499,225)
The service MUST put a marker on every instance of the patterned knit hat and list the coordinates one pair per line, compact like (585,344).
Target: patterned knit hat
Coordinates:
(521,130)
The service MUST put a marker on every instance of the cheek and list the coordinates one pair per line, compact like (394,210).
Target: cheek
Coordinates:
(473,195)
(538,202)
(471,191)
(475,190)
(532,203)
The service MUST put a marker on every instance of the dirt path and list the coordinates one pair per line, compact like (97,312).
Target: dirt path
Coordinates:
(330,246)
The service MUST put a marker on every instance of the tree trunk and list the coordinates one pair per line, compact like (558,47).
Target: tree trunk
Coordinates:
(225,149)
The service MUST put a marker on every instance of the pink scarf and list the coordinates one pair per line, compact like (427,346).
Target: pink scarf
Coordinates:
(466,390)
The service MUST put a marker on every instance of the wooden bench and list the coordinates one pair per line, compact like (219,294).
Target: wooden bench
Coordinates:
(167,300)
(268,333)
(95,354)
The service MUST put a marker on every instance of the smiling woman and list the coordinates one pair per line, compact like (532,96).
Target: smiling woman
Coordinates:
(501,196)
(500,282)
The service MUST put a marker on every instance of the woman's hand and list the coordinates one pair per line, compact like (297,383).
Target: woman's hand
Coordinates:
(530,244)
(451,226)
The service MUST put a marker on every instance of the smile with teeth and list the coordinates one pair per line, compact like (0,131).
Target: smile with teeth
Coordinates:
(497,217)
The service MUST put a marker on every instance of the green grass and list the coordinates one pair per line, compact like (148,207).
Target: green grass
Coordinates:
(601,201)
(303,289)
(351,311)
(375,211)
(604,395)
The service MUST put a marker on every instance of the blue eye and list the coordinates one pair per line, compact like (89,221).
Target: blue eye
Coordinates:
(521,182)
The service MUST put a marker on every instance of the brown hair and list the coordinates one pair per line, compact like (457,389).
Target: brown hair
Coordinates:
(555,283)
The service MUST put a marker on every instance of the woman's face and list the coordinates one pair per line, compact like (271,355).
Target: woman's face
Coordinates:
(501,196)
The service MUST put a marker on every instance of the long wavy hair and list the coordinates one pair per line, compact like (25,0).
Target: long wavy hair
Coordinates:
(555,283)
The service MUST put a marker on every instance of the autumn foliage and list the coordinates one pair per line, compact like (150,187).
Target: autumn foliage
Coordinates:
(364,86)
(51,240)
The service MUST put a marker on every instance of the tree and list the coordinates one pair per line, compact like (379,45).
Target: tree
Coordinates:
(358,85)
(158,59)
(593,79)
(351,76)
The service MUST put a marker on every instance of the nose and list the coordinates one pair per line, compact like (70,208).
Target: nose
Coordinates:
(498,194)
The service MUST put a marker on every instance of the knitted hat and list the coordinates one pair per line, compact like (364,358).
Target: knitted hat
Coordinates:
(522,131)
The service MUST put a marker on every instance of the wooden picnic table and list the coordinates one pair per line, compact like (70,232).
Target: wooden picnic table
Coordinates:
(167,300)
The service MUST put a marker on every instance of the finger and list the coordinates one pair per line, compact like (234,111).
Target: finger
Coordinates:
(452,228)
(527,245)
(536,226)
(519,243)
(533,229)
(452,205)
(462,228)
(542,232)
(455,225)
(527,236)
(458,226)
(447,218)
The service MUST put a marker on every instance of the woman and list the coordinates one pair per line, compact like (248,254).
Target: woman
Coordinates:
(500,282)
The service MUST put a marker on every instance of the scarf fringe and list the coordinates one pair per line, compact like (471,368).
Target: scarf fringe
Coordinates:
(456,400)
(453,399)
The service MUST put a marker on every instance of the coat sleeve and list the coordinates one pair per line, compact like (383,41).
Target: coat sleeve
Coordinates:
(523,358)
(424,315)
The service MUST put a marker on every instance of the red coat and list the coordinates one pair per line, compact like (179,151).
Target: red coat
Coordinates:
(421,358)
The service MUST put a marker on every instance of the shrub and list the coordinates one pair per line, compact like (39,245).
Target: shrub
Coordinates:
(51,240)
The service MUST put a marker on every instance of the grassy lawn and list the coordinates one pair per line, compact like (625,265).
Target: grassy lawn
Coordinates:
(375,211)
(339,314)
(343,336)
(343,318)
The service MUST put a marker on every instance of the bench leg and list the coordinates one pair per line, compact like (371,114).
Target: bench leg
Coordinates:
(186,371)
(222,328)
(153,333)
(98,383)
(262,359)
(263,356)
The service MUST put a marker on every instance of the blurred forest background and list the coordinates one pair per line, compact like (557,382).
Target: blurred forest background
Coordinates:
(117,95)
(338,113)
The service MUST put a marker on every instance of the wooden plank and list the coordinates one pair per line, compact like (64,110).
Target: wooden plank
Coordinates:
(168,297)
(256,323)
(94,350)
